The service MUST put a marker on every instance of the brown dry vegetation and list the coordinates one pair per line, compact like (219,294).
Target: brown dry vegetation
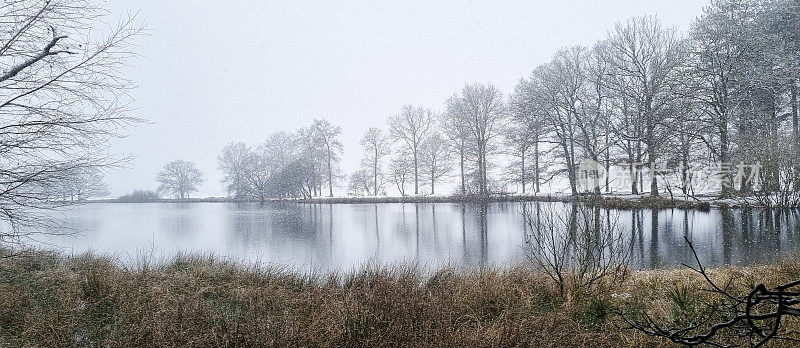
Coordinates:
(51,300)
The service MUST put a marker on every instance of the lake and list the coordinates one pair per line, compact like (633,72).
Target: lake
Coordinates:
(343,236)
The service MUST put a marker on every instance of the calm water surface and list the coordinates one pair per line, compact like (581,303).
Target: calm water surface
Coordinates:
(343,236)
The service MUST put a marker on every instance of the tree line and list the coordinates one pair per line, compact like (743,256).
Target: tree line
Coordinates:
(643,98)
(648,99)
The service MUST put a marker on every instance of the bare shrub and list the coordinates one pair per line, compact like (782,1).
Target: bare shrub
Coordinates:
(780,186)
(580,250)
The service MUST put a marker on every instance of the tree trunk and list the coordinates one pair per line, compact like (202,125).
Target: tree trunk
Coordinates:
(463,179)
(634,175)
(571,155)
(570,169)
(402,188)
(330,174)
(724,156)
(481,142)
(416,177)
(606,159)
(685,170)
(796,129)
(608,170)
(375,174)
(795,125)
(433,181)
(484,183)
(522,181)
(536,165)
(651,162)
(770,173)
(653,179)
(480,168)
(597,185)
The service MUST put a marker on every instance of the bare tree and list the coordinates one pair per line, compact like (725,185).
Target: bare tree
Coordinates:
(327,136)
(519,142)
(258,173)
(644,61)
(458,134)
(62,96)
(285,165)
(84,183)
(361,184)
(556,86)
(295,179)
(434,157)
(411,126)
(232,163)
(595,111)
(260,169)
(311,150)
(266,161)
(180,178)
(279,148)
(529,119)
(481,108)
(716,59)
(375,147)
(401,169)
(571,91)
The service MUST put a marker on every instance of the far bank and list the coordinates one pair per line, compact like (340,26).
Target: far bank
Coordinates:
(625,202)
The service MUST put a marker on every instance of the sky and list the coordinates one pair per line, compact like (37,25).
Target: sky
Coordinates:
(215,72)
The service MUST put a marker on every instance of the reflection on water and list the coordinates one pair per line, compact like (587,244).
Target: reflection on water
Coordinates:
(342,236)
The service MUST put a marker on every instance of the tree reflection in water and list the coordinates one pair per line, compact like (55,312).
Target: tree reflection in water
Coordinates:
(472,235)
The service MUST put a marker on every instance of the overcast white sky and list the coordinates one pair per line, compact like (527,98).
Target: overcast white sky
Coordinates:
(213,72)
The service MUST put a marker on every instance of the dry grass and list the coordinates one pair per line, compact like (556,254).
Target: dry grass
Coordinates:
(51,300)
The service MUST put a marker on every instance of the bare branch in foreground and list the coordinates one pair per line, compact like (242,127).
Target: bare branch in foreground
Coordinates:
(756,317)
